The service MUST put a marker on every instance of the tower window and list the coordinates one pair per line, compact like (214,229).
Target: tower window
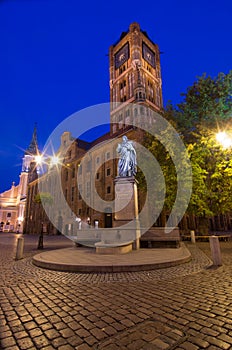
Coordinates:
(98,176)
(108,189)
(80,190)
(122,84)
(108,171)
(122,69)
(72,194)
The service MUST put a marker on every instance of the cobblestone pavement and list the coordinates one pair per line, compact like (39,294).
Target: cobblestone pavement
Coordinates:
(184,307)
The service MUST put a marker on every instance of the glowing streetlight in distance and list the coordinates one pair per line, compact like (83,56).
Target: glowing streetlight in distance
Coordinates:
(38,159)
(54,160)
(224,139)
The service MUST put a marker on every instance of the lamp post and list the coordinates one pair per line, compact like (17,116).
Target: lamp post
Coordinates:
(40,243)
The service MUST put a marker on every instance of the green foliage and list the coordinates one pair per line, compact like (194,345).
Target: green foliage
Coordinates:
(44,198)
(206,102)
(212,178)
(206,109)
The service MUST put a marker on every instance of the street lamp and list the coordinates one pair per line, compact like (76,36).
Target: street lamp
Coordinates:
(224,139)
(42,160)
(40,243)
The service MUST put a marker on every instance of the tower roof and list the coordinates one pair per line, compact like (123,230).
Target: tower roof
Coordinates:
(33,147)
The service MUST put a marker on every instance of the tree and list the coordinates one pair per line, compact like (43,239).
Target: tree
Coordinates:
(207,102)
(44,198)
(206,108)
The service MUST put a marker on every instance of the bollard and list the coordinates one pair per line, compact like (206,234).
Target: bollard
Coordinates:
(19,249)
(215,250)
(193,240)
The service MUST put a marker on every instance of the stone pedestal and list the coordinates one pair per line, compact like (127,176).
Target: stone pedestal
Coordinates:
(126,208)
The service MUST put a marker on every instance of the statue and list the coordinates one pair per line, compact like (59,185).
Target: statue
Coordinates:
(127,161)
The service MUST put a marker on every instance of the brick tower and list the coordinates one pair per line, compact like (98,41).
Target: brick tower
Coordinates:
(134,77)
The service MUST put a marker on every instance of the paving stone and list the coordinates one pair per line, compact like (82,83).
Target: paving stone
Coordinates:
(41,341)
(7,342)
(225,338)
(35,332)
(30,325)
(199,342)
(84,310)
(66,332)
(58,342)
(83,347)
(19,335)
(51,334)
(25,343)
(75,340)
(217,342)
(97,333)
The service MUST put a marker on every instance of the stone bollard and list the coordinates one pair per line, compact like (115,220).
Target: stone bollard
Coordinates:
(193,239)
(215,250)
(19,249)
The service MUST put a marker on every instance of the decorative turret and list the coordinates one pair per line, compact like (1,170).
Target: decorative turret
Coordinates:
(33,147)
(31,152)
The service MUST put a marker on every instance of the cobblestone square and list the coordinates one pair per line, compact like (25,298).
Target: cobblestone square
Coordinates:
(188,306)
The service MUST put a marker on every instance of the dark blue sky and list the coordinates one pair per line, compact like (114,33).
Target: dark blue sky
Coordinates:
(53,58)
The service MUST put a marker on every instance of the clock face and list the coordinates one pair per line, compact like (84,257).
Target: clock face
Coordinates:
(122,56)
(148,55)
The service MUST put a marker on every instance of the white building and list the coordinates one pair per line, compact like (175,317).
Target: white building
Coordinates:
(13,201)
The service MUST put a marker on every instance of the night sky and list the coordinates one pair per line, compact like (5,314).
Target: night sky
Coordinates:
(53,58)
